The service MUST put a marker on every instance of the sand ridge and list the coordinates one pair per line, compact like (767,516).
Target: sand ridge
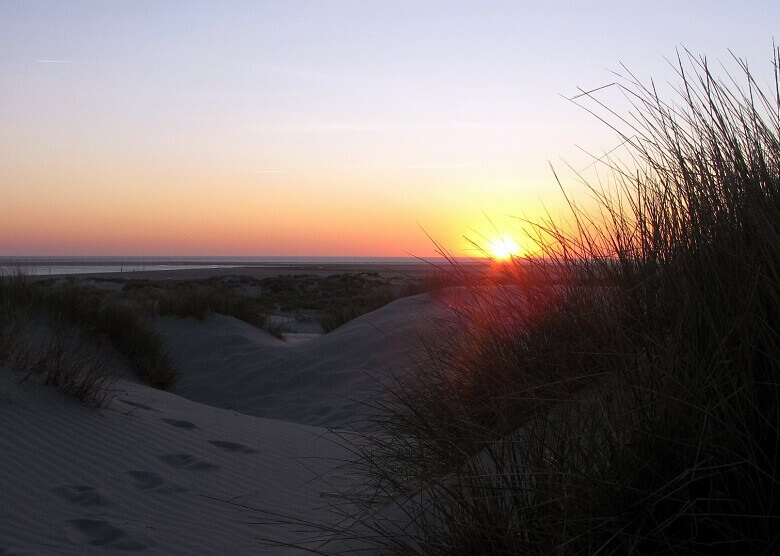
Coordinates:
(323,381)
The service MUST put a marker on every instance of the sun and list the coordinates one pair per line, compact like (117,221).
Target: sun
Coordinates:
(503,248)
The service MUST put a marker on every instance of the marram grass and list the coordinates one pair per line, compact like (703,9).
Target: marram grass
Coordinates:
(620,392)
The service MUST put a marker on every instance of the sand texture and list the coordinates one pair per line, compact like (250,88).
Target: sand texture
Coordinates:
(177,473)
(324,381)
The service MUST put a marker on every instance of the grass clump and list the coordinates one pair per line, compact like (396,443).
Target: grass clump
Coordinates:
(362,294)
(273,326)
(621,392)
(66,363)
(129,332)
(330,300)
(96,314)
(355,307)
(121,322)
(60,359)
(197,300)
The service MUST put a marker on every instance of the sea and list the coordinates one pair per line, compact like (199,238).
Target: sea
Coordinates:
(59,266)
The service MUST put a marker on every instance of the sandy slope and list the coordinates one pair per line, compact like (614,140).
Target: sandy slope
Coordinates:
(227,363)
(158,473)
(147,472)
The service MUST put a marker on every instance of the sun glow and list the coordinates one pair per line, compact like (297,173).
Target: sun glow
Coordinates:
(503,248)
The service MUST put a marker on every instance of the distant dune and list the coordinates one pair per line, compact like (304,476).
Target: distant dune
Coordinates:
(325,381)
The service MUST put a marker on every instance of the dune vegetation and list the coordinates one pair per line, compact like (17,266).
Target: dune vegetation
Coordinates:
(94,314)
(58,356)
(619,392)
(121,312)
(329,300)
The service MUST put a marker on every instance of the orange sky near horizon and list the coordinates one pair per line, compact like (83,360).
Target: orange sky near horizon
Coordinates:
(294,215)
(75,199)
(317,129)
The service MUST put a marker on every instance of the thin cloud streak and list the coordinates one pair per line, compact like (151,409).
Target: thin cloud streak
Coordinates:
(54,61)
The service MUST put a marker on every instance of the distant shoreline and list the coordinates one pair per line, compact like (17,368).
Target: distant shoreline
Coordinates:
(6,260)
(206,267)
(410,270)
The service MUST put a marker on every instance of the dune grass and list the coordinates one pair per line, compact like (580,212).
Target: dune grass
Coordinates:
(68,364)
(355,307)
(198,299)
(334,299)
(118,320)
(189,298)
(134,338)
(339,298)
(96,314)
(60,359)
(620,393)
(357,303)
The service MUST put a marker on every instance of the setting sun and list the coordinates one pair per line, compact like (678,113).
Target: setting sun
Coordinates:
(503,248)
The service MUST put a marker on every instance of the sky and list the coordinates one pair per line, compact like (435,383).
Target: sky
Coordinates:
(317,128)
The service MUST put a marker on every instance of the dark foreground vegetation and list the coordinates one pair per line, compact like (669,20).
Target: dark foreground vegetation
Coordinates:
(632,407)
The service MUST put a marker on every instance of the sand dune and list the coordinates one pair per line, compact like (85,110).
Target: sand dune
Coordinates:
(159,473)
(150,472)
(224,362)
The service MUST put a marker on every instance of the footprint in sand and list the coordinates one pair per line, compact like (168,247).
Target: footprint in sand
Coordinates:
(232,447)
(101,533)
(148,480)
(82,495)
(181,424)
(139,405)
(187,462)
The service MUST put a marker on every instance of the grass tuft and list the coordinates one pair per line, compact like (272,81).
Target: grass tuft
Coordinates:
(73,368)
(93,313)
(127,329)
(621,391)
(60,359)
